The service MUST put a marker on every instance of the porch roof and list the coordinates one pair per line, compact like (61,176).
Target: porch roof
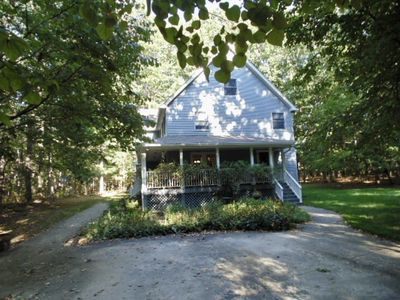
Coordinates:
(188,141)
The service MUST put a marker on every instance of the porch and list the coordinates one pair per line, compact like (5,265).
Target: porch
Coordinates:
(160,188)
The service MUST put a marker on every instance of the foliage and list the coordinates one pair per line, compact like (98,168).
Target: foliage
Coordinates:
(232,174)
(374,210)
(68,94)
(124,220)
(172,168)
(254,22)
(348,87)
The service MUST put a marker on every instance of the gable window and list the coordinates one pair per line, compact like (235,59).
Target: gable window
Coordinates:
(230,87)
(278,121)
(201,125)
(202,121)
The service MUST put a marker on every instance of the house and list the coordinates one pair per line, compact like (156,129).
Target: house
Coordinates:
(207,122)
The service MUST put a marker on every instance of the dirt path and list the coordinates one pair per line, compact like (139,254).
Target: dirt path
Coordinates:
(324,259)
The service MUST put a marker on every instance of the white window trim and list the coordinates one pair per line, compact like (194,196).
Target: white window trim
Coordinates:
(284,120)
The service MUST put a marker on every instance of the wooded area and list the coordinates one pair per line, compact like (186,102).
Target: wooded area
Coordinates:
(74,73)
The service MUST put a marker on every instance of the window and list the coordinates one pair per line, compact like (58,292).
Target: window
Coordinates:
(230,87)
(278,121)
(202,121)
(201,125)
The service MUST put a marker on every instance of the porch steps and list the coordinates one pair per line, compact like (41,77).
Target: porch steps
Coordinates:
(288,195)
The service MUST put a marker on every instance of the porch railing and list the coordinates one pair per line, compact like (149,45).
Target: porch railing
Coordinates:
(293,184)
(163,179)
(202,177)
(278,189)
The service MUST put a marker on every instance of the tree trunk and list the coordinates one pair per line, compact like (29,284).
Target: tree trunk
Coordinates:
(28,165)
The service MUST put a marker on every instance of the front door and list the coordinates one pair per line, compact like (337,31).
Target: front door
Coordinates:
(203,158)
(263,157)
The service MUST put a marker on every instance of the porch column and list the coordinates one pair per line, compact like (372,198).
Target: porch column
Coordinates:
(251,156)
(144,176)
(271,158)
(217,158)
(181,157)
(183,200)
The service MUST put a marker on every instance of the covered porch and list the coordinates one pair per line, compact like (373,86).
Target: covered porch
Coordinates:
(213,156)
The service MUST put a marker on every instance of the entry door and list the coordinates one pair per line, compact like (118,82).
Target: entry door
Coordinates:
(204,158)
(263,157)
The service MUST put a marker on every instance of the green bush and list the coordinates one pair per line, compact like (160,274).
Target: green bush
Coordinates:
(125,219)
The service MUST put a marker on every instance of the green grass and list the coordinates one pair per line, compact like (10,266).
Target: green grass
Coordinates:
(125,219)
(374,210)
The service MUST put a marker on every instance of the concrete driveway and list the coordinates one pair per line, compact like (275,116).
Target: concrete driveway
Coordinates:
(324,259)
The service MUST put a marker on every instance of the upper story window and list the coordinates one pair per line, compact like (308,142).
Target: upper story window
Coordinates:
(202,121)
(230,87)
(278,121)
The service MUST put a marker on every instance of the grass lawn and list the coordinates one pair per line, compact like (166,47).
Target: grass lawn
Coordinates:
(28,220)
(374,210)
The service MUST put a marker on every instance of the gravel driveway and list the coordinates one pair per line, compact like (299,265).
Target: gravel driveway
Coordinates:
(324,259)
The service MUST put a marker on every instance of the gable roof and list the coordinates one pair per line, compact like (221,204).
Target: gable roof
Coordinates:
(254,70)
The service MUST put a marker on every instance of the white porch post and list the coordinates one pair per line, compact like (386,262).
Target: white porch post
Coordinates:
(271,158)
(181,157)
(183,179)
(144,176)
(253,180)
(217,158)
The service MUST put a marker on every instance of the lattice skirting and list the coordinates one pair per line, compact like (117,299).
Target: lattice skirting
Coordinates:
(195,197)
(159,199)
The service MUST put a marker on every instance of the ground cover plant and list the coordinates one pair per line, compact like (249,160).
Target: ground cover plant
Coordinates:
(374,210)
(125,219)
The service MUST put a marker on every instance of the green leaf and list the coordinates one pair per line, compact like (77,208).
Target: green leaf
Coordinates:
(187,15)
(104,32)
(224,5)
(181,60)
(170,34)
(218,60)
(203,14)
(5,83)
(174,19)
(227,65)
(233,13)
(33,98)
(275,37)
(222,76)
(110,20)
(279,21)
(123,25)
(5,119)
(217,39)
(14,47)
(196,24)
(259,37)
(88,13)
(240,60)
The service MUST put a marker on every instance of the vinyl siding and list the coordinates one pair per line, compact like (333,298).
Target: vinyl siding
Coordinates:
(291,163)
(249,113)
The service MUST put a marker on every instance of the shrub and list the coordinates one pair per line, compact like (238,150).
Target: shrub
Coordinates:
(125,219)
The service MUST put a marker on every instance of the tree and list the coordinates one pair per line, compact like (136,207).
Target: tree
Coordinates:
(67,92)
